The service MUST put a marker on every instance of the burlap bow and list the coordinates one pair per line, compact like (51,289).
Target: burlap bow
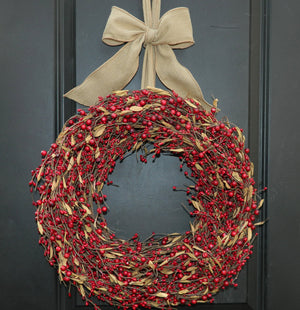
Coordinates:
(159,36)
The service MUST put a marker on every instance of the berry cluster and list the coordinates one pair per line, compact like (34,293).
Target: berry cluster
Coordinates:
(177,269)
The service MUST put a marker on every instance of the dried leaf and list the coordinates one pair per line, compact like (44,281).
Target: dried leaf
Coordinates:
(82,291)
(108,255)
(198,166)
(88,211)
(226,184)
(237,176)
(177,150)
(40,173)
(161,294)
(73,141)
(51,253)
(158,91)
(215,102)
(68,208)
(88,139)
(78,157)
(121,93)
(150,263)
(163,263)
(99,130)
(185,291)
(64,182)
(138,283)
(197,205)
(76,261)
(199,146)
(113,278)
(191,104)
(249,233)
(166,271)
(88,228)
(40,228)
(260,204)
(71,163)
(192,255)
(136,108)
(260,223)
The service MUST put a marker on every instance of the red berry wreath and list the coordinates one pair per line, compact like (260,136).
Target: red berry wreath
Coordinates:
(176,269)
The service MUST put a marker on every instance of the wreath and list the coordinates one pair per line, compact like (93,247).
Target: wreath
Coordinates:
(176,269)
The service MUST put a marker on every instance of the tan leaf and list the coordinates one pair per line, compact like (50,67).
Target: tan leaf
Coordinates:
(98,131)
(64,182)
(88,139)
(51,252)
(161,294)
(215,102)
(260,223)
(136,108)
(71,163)
(192,255)
(226,184)
(139,283)
(76,261)
(108,255)
(191,104)
(82,291)
(73,142)
(237,176)
(249,233)
(199,146)
(121,93)
(150,263)
(97,152)
(68,208)
(185,291)
(166,271)
(40,173)
(260,204)
(163,263)
(88,228)
(177,150)
(197,205)
(158,91)
(40,228)
(198,166)
(79,157)
(88,211)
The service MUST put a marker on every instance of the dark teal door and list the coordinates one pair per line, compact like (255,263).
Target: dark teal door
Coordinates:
(246,54)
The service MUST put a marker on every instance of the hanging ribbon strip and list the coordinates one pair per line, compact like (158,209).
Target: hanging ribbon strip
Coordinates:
(159,37)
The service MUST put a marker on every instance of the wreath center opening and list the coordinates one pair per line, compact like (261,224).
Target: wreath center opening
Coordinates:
(143,200)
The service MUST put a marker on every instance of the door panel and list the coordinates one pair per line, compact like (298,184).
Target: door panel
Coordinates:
(27,126)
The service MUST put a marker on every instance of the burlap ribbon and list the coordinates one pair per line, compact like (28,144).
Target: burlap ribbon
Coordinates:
(159,36)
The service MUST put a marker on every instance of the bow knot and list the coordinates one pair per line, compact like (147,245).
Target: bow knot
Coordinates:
(159,36)
(150,36)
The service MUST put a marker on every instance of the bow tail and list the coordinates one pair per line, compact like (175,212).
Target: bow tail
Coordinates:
(114,74)
(176,77)
(148,73)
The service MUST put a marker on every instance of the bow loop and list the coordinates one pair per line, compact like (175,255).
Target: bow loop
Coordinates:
(175,28)
(122,27)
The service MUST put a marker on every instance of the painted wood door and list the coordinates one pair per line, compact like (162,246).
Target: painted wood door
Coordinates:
(245,54)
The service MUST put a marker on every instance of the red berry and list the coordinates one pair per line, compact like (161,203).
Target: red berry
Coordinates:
(43,153)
